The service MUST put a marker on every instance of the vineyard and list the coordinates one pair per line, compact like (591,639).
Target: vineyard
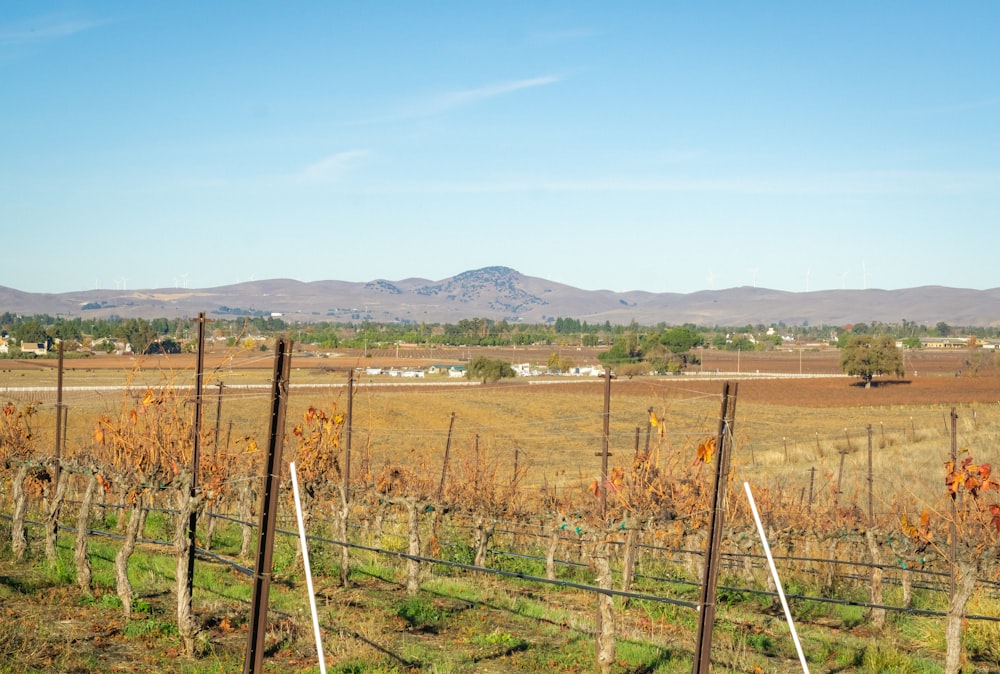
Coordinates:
(532,526)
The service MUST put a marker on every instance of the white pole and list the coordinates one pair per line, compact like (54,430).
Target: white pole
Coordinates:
(305,560)
(774,574)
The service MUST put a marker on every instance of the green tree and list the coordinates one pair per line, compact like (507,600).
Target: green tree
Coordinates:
(30,331)
(489,369)
(137,332)
(624,350)
(560,363)
(866,356)
(681,340)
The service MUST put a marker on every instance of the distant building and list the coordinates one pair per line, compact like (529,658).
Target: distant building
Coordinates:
(37,348)
(944,342)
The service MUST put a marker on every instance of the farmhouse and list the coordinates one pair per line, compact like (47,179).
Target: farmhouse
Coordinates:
(944,342)
(37,348)
(527,370)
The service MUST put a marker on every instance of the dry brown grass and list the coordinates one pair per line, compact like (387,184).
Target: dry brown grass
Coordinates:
(784,427)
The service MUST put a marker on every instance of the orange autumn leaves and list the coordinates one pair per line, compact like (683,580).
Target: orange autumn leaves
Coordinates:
(974,479)
(970,476)
(317,456)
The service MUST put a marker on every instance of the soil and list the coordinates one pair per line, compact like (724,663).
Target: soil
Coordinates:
(952,376)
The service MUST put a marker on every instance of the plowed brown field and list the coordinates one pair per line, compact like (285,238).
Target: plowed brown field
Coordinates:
(955,376)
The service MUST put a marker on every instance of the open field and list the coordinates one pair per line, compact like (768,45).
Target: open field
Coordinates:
(783,424)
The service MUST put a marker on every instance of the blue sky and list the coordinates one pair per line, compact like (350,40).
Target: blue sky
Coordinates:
(659,146)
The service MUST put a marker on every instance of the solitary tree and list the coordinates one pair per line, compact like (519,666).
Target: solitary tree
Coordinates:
(489,369)
(868,355)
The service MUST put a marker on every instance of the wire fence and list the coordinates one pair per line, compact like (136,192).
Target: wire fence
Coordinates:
(935,580)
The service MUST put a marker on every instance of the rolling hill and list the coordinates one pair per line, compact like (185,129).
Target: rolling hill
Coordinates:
(502,293)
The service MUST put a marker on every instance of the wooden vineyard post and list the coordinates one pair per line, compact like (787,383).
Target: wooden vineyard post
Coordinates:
(706,603)
(649,427)
(444,464)
(876,616)
(343,511)
(840,477)
(254,661)
(606,424)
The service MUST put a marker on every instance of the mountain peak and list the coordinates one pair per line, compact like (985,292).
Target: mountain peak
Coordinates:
(502,293)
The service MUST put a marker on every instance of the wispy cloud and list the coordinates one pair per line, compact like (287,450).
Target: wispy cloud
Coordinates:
(441,103)
(332,167)
(46,27)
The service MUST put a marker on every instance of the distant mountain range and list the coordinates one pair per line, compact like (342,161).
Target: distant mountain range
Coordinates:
(502,293)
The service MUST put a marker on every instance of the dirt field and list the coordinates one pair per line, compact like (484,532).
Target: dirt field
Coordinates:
(932,377)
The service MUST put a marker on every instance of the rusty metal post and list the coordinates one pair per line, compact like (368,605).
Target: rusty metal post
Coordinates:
(871,481)
(196,448)
(218,419)
(254,661)
(348,422)
(605,443)
(706,604)
(953,525)
(56,469)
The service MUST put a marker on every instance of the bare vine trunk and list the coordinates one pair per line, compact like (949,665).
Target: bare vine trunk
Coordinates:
(340,520)
(52,517)
(876,616)
(122,583)
(605,610)
(378,525)
(907,583)
(299,562)
(186,626)
(122,522)
(481,541)
(550,555)
(210,527)
(246,499)
(966,583)
(18,539)
(412,565)
(629,560)
(84,576)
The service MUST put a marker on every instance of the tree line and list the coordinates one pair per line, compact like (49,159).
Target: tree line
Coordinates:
(668,348)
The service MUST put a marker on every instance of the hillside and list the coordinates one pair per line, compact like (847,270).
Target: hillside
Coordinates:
(502,293)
